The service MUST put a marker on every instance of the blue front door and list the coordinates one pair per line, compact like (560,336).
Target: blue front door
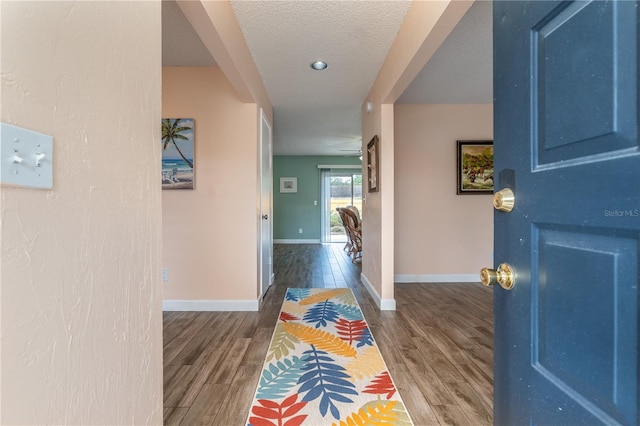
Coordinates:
(566,143)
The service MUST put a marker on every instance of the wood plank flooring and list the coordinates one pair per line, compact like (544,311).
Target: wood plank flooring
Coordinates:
(438,345)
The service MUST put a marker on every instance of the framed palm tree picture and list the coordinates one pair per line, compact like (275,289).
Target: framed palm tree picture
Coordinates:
(177,153)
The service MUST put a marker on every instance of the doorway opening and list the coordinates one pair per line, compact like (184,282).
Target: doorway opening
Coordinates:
(340,188)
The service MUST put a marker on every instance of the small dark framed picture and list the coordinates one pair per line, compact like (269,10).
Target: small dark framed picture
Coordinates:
(373,176)
(475,167)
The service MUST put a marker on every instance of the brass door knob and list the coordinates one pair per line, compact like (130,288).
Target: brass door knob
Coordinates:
(504,275)
(504,200)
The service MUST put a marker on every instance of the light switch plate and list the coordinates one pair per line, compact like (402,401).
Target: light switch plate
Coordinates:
(26,157)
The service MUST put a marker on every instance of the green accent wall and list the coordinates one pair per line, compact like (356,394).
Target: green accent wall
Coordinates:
(294,210)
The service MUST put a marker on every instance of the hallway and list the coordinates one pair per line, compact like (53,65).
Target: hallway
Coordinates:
(437,345)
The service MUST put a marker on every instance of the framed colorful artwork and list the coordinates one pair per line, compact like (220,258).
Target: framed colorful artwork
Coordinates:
(474,167)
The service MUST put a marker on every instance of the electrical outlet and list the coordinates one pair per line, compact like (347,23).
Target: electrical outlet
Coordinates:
(165,275)
(299,230)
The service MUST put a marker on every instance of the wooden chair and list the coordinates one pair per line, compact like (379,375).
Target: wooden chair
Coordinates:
(353,231)
(355,210)
(347,246)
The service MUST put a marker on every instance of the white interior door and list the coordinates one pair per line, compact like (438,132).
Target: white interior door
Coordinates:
(266,196)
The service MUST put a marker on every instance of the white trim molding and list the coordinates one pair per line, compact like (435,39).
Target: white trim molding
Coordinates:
(210,305)
(436,278)
(383,304)
(295,241)
(341,166)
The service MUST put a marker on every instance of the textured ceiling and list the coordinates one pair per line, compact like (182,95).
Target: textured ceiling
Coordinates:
(461,71)
(318,112)
(353,37)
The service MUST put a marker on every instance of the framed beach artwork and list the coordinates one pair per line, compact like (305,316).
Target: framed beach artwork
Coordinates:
(177,153)
(474,167)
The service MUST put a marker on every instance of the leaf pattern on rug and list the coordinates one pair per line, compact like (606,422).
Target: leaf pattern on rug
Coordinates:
(402,416)
(322,296)
(349,312)
(380,385)
(377,413)
(321,339)
(348,298)
(285,316)
(323,366)
(296,294)
(271,410)
(279,377)
(281,343)
(365,338)
(368,364)
(325,379)
(350,331)
(294,308)
(321,313)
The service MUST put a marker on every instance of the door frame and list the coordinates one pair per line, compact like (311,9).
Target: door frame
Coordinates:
(266,190)
(326,209)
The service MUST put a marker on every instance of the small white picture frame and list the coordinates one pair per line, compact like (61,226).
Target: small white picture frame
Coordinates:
(288,184)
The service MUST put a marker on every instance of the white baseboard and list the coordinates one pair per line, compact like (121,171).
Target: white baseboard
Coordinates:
(210,305)
(383,304)
(291,241)
(436,278)
(388,305)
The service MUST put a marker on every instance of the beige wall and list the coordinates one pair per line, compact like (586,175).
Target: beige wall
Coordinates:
(210,233)
(437,231)
(80,264)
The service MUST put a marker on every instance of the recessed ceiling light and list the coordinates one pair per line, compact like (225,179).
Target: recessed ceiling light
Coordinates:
(319,65)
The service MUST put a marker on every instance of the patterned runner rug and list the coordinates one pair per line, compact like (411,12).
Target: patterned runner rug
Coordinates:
(323,367)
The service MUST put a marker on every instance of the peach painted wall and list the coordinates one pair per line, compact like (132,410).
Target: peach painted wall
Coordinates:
(372,208)
(377,223)
(437,231)
(80,263)
(217,26)
(425,27)
(210,233)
